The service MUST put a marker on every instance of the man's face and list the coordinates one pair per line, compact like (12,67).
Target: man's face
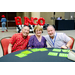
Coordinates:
(51,31)
(25,31)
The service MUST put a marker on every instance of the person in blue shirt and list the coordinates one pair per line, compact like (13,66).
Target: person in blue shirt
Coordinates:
(59,18)
(3,20)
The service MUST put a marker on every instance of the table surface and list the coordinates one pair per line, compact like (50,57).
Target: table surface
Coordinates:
(40,56)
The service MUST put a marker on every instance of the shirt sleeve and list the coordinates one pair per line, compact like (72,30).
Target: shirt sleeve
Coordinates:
(65,38)
(13,39)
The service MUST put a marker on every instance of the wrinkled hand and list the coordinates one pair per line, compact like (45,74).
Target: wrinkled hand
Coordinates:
(64,47)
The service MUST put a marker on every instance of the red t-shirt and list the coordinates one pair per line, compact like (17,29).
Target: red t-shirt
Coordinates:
(19,42)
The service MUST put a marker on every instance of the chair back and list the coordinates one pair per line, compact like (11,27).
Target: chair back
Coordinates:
(4,45)
(72,43)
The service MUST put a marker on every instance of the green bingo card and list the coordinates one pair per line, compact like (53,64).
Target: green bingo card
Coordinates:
(52,54)
(63,55)
(35,50)
(57,50)
(65,50)
(43,49)
(26,52)
(20,55)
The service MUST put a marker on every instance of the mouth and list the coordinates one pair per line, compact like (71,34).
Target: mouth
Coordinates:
(25,34)
(38,34)
(51,34)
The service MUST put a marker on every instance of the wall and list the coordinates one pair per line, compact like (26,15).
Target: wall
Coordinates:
(46,15)
(58,14)
(23,14)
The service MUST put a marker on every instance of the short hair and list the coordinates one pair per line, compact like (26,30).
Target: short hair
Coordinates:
(51,26)
(25,26)
(38,27)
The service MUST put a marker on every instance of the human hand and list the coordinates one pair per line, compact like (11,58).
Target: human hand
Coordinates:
(64,47)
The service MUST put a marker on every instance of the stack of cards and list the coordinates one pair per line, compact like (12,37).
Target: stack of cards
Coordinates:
(23,54)
(57,50)
(60,54)
(63,55)
(43,49)
(39,49)
(20,55)
(26,52)
(52,53)
(65,50)
(35,50)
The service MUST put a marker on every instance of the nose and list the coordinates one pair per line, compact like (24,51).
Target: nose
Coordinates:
(27,31)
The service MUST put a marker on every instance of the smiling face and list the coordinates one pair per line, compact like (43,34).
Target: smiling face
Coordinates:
(25,31)
(38,30)
(51,31)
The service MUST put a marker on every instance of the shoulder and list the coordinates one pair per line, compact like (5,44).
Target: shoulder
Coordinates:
(32,37)
(46,36)
(16,35)
(61,34)
(43,37)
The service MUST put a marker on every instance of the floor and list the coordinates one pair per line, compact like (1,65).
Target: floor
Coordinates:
(13,31)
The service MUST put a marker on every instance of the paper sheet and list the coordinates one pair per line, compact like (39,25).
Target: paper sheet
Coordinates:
(26,52)
(35,50)
(57,50)
(65,50)
(52,54)
(63,55)
(20,55)
(43,49)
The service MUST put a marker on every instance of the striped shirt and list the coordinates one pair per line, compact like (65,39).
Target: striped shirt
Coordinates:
(60,40)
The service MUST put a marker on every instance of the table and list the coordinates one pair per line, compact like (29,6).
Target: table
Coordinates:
(40,56)
(64,24)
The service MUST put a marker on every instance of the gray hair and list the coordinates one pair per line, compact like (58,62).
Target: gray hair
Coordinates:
(25,26)
(51,26)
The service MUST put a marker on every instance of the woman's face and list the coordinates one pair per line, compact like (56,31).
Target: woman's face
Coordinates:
(38,32)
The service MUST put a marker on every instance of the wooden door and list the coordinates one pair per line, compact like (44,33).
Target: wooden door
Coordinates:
(11,20)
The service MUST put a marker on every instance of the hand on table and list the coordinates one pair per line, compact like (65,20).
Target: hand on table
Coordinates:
(64,47)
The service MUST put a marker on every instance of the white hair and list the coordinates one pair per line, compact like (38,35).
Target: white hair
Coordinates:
(51,26)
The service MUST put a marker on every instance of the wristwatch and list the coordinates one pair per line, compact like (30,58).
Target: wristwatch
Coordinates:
(67,46)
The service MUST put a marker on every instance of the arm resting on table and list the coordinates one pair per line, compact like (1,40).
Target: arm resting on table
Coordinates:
(68,44)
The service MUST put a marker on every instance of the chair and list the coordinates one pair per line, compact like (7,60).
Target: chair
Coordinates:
(72,43)
(4,44)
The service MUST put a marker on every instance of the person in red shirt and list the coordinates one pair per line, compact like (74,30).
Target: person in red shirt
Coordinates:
(19,41)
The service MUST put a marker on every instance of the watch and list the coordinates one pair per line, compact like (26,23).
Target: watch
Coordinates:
(67,46)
